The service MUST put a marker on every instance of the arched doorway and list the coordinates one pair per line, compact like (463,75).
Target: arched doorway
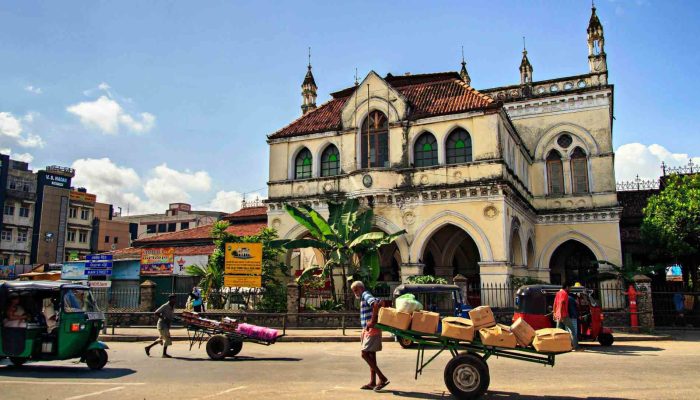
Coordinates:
(572,261)
(451,251)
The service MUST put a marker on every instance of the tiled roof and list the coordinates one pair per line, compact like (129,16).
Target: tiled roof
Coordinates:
(428,95)
(203,233)
(135,252)
(257,211)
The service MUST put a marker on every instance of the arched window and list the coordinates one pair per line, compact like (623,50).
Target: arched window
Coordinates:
(555,173)
(579,171)
(330,161)
(375,141)
(302,164)
(459,147)
(425,151)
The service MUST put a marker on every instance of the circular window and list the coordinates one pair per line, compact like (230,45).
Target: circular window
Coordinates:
(554,88)
(581,84)
(568,86)
(540,90)
(564,141)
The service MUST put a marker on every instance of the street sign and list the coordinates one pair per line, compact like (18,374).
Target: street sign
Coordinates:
(253,281)
(100,284)
(98,272)
(98,264)
(99,257)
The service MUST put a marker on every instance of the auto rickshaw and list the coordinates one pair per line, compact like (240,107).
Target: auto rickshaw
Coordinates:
(534,304)
(50,320)
(444,299)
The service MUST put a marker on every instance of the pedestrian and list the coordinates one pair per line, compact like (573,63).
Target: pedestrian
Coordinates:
(561,313)
(196,300)
(165,314)
(371,337)
(679,305)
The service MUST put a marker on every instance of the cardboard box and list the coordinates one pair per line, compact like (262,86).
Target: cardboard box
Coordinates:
(482,317)
(458,328)
(499,335)
(552,340)
(393,318)
(523,332)
(425,322)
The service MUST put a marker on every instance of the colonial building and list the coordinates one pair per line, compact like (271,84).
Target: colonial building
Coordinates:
(493,183)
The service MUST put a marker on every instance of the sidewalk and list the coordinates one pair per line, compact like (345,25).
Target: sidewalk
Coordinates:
(315,335)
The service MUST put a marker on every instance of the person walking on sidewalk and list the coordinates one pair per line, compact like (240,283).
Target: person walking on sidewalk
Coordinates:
(561,313)
(371,337)
(165,314)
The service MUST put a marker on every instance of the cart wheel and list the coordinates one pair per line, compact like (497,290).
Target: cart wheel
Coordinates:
(18,361)
(467,376)
(606,339)
(405,343)
(96,359)
(235,348)
(217,347)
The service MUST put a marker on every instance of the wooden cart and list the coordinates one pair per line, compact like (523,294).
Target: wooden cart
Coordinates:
(221,340)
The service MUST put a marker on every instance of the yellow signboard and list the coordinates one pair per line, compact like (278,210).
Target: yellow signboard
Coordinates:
(251,281)
(243,259)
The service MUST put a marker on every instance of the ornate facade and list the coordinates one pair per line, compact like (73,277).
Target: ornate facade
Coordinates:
(493,183)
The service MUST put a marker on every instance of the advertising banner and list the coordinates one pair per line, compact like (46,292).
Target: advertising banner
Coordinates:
(183,261)
(73,271)
(7,272)
(158,261)
(250,281)
(243,259)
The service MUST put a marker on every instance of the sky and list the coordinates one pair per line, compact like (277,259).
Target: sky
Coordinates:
(162,101)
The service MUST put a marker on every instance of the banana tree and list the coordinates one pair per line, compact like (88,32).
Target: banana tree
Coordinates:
(345,239)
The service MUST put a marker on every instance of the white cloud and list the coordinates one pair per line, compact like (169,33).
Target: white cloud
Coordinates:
(33,89)
(122,186)
(634,159)
(108,116)
(12,132)
(31,140)
(104,86)
(9,125)
(231,201)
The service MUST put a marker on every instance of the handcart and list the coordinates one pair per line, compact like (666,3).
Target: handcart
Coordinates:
(466,374)
(222,339)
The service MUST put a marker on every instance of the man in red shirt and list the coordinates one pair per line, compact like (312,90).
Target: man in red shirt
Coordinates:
(561,313)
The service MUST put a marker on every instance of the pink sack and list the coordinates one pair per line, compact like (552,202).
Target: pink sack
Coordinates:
(257,332)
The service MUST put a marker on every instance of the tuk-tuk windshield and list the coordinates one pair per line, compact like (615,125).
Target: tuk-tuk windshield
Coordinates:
(79,300)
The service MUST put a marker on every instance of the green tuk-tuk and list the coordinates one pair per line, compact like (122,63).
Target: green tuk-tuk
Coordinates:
(50,320)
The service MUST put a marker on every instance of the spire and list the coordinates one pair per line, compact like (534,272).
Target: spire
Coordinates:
(308,90)
(596,44)
(463,72)
(525,68)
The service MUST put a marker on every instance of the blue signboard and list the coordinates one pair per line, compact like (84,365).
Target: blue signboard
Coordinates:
(73,271)
(98,265)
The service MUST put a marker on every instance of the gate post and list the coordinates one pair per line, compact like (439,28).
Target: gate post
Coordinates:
(293,303)
(644,302)
(148,295)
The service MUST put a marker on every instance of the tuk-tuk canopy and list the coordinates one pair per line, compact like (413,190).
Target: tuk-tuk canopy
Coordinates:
(538,299)
(424,288)
(16,286)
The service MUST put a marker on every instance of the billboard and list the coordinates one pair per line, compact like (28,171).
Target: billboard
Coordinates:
(243,259)
(183,261)
(73,271)
(84,197)
(157,261)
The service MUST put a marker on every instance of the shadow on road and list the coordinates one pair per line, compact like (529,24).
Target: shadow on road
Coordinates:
(512,395)
(419,395)
(63,372)
(622,350)
(240,358)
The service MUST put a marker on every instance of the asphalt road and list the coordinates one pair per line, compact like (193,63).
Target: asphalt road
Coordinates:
(630,370)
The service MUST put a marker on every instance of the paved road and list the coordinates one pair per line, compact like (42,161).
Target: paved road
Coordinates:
(631,370)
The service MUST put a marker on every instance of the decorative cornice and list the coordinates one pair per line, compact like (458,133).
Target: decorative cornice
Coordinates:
(559,104)
(593,216)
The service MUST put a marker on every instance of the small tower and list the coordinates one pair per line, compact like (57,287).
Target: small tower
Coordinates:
(463,72)
(525,68)
(596,43)
(308,90)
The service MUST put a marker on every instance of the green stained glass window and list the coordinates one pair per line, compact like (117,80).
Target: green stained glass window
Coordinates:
(302,165)
(459,147)
(330,161)
(425,151)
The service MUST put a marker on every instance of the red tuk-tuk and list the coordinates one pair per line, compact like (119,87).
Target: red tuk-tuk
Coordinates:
(534,304)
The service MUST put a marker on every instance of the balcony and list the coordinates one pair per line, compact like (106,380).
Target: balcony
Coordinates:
(21,195)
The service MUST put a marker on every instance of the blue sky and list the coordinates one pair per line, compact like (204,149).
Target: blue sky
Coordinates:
(172,101)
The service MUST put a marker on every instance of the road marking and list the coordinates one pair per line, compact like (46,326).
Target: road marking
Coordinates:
(82,396)
(72,383)
(220,393)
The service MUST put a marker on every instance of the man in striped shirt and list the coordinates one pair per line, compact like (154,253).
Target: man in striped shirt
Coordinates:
(371,338)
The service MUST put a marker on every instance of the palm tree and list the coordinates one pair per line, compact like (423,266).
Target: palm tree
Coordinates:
(345,239)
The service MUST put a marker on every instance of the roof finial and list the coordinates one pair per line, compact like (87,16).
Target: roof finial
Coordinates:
(356,82)
(524,47)
(463,55)
(309,57)
(463,72)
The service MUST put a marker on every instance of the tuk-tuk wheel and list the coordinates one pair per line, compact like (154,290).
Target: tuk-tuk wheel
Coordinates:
(96,359)
(218,347)
(235,348)
(467,376)
(405,343)
(606,339)
(18,361)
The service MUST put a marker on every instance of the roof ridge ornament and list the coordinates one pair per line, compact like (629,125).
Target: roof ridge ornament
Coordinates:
(463,72)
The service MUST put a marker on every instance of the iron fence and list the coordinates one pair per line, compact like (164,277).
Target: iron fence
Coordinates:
(123,299)
(675,305)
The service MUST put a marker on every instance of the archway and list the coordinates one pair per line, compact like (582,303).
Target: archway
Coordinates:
(451,251)
(516,248)
(572,261)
